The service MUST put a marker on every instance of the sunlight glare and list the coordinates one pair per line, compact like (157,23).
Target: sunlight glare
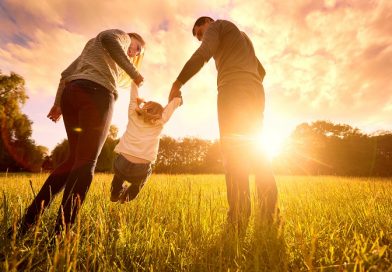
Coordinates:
(271,144)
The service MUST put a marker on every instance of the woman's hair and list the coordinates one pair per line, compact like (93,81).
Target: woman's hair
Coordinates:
(150,111)
(124,79)
(137,60)
(137,37)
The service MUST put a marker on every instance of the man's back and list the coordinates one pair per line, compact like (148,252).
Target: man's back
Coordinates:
(233,53)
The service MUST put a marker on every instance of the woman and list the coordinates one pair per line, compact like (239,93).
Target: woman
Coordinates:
(85,98)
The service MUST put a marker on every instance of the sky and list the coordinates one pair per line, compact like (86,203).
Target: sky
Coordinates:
(325,59)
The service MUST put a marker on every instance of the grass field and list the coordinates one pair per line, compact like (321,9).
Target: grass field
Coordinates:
(178,223)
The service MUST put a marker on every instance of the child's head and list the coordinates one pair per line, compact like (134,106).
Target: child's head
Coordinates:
(150,111)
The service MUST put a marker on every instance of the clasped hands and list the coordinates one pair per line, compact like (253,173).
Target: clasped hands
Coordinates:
(175,90)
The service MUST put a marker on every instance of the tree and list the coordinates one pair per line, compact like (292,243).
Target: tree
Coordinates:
(322,148)
(188,155)
(59,153)
(213,159)
(17,150)
(168,158)
(383,154)
(105,159)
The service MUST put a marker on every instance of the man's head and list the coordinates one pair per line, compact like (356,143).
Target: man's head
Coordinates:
(201,26)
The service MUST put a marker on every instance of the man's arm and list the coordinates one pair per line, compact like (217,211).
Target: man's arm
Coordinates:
(261,70)
(202,55)
(175,90)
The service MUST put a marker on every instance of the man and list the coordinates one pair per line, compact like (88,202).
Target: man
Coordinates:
(240,112)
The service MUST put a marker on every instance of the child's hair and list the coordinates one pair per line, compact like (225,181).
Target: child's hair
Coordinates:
(150,111)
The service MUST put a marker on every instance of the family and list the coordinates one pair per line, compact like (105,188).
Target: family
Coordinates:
(85,98)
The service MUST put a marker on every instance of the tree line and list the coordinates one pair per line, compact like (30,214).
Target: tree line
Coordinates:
(318,148)
(325,148)
(175,156)
(18,152)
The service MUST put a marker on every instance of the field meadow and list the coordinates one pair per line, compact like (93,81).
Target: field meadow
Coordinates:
(178,223)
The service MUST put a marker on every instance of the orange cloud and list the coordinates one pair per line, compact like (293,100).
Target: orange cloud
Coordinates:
(324,59)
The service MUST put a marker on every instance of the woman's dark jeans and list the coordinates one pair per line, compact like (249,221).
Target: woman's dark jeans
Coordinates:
(87,109)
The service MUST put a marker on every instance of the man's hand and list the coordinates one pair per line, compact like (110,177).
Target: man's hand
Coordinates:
(139,80)
(54,113)
(175,90)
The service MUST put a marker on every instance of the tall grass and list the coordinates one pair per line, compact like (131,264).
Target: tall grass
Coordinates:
(178,223)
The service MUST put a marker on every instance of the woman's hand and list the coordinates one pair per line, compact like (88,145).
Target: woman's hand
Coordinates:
(139,80)
(54,113)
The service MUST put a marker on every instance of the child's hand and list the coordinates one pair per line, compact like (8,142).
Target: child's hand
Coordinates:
(175,90)
(139,100)
(148,105)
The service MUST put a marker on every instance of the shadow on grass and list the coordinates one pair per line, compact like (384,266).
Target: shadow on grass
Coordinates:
(257,247)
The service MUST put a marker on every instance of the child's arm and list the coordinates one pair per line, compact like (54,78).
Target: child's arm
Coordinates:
(170,108)
(135,100)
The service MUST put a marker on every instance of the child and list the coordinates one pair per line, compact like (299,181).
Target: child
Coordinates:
(138,147)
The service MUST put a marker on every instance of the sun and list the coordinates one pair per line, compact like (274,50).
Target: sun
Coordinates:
(271,143)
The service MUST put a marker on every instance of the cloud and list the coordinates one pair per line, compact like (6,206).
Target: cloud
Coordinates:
(324,59)
(41,59)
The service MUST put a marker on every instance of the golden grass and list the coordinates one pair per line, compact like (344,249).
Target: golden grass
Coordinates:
(178,223)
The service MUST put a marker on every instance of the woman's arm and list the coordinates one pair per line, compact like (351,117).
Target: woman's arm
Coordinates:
(66,73)
(111,41)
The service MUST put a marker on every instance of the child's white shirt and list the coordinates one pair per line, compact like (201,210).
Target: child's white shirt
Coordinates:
(141,139)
